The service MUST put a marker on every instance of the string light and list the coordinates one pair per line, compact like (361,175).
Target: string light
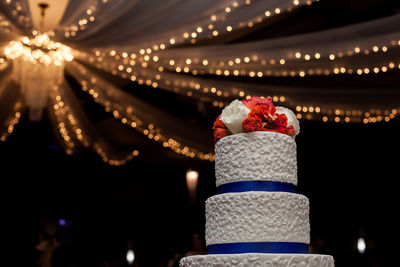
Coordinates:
(266,65)
(70,129)
(132,120)
(82,24)
(153,81)
(346,116)
(64,126)
(12,121)
(322,114)
(18,12)
(199,88)
(219,17)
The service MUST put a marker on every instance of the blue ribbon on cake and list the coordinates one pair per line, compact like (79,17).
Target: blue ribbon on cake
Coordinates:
(244,186)
(258,247)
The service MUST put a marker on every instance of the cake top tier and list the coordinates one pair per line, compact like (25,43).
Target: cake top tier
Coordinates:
(255,114)
(256,156)
(255,142)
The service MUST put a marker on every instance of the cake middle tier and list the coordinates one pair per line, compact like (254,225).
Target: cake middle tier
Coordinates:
(257,217)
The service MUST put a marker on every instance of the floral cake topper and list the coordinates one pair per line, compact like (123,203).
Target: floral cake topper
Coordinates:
(255,114)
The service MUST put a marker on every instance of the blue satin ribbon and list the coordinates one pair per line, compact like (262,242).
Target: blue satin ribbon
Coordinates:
(258,247)
(244,186)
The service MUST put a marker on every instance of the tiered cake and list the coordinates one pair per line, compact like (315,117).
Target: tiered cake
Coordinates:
(257,219)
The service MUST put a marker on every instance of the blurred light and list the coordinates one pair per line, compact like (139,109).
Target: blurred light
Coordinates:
(39,50)
(62,222)
(192,177)
(130,256)
(361,246)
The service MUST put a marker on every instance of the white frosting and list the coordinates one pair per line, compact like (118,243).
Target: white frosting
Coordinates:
(256,156)
(257,217)
(259,259)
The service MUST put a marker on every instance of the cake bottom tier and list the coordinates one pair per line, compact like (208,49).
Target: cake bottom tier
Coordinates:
(258,259)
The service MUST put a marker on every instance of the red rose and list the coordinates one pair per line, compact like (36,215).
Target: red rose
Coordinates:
(255,100)
(219,133)
(220,130)
(280,121)
(218,123)
(291,131)
(249,125)
(266,109)
(256,117)
(262,117)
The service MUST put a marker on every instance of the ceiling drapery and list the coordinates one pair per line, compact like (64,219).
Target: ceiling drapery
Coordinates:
(196,49)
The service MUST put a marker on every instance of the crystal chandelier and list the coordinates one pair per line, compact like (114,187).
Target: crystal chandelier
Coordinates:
(38,65)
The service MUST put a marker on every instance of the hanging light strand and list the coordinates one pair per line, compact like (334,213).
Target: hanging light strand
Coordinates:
(185,85)
(72,132)
(17,11)
(254,66)
(216,25)
(129,118)
(257,66)
(88,17)
(12,121)
(64,127)
(191,86)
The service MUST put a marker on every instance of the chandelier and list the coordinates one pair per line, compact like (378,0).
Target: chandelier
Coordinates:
(38,65)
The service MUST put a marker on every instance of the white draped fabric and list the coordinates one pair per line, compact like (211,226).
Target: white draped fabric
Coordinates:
(142,24)
(191,48)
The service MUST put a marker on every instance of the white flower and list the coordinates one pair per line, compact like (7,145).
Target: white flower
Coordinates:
(233,116)
(291,118)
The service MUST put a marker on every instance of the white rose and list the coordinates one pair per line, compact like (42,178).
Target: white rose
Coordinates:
(291,118)
(233,116)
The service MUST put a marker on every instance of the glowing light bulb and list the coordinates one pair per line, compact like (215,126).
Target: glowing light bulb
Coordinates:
(192,177)
(130,256)
(361,245)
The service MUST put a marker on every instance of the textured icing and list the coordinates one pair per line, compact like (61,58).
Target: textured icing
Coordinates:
(256,156)
(257,217)
(258,259)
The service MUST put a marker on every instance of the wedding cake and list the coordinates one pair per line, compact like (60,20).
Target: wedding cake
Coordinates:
(257,219)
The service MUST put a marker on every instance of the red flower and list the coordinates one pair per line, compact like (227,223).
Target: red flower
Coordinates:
(280,121)
(262,117)
(220,130)
(219,124)
(255,101)
(256,117)
(291,131)
(249,125)
(219,133)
